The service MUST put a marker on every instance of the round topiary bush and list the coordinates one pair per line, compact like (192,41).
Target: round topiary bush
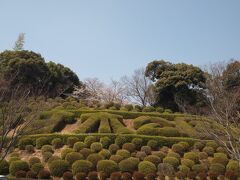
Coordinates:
(209,150)
(120,140)
(153,159)
(89,140)
(138,142)
(82,166)
(147,167)
(85,152)
(44,174)
(107,166)
(73,156)
(129,147)
(183,169)
(203,155)
(67,175)
(37,167)
(148,109)
(141,155)
(20,174)
(217,168)
(41,142)
(4,167)
(113,148)
(187,162)
(57,143)
(138,176)
(23,142)
(18,165)
(116,158)
(71,141)
(12,159)
(198,145)
(146,149)
(129,165)
(105,141)
(192,156)
(165,169)
(199,168)
(93,175)
(160,109)
(79,146)
(94,158)
(178,148)
(47,148)
(172,161)
(212,144)
(152,144)
(53,158)
(31,175)
(233,165)
(160,154)
(29,149)
(124,153)
(126,176)
(103,175)
(46,156)
(65,151)
(173,154)
(220,159)
(58,167)
(96,147)
(105,153)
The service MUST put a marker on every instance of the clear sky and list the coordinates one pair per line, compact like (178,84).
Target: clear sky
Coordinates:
(110,38)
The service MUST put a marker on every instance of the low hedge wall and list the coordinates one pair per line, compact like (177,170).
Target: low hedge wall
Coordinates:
(162,141)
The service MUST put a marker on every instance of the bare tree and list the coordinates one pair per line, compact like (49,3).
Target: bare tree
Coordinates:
(224,104)
(139,87)
(19,42)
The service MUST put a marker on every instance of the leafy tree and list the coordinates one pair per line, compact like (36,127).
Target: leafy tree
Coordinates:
(176,84)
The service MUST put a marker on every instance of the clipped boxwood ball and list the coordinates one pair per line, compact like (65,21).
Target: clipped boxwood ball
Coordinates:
(107,166)
(113,148)
(187,162)
(57,143)
(116,158)
(192,156)
(41,142)
(171,160)
(146,149)
(217,168)
(96,147)
(71,141)
(94,158)
(18,165)
(105,141)
(82,166)
(23,142)
(58,167)
(124,153)
(209,150)
(37,167)
(138,142)
(129,165)
(65,151)
(105,153)
(4,167)
(152,144)
(89,140)
(73,156)
(153,159)
(47,148)
(79,146)
(129,147)
(147,167)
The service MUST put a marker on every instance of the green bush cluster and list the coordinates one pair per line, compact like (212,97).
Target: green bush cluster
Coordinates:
(58,167)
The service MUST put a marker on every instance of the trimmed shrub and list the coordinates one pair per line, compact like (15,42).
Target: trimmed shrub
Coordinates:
(71,141)
(209,150)
(116,176)
(85,152)
(58,167)
(129,147)
(147,167)
(96,147)
(116,158)
(23,142)
(113,148)
(173,154)
(192,156)
(128,107)
(165,169)
(212,144)
(124,153)
(107,166)
(12,159)
(18,165)
(137,108)
(103,175)
(138,142)
(53,158)
(41,142)
(148,109)
(202,175)
(46,156)
(37,167)
(129,165)
(4,167)
(146,149)
(31,175)
(126,176)
(191,175)
(220,150)
(57,143)
(79,146)
(44,174)
(217,168)
(222,155)
(160,154)
(233,165)
(89,140)
(152,144)
(153,159)
(93,175)
(141,155)
(178,148)
(94,158)
(120,140)
(160,109)
(73,156)
(172,161)
(198,145)
(138,176)
(221,160)
(82,166)
(14,154)
(29,148)
(199,168)
(203,155)
(81,176)
(47,148)
(105,153)
(187,162)
(65,151)
(20,174)
(184,169)
(68,175)
(105,141)
(231,174)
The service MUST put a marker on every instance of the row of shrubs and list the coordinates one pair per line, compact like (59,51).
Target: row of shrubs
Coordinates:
(182,160)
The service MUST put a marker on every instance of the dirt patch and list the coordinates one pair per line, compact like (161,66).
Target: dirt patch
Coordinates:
(69,128)
(129,123)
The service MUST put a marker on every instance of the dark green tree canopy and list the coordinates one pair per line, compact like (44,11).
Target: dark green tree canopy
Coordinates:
(29,70)
(175,81)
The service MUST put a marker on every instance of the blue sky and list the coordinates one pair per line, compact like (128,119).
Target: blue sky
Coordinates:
(109,38)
